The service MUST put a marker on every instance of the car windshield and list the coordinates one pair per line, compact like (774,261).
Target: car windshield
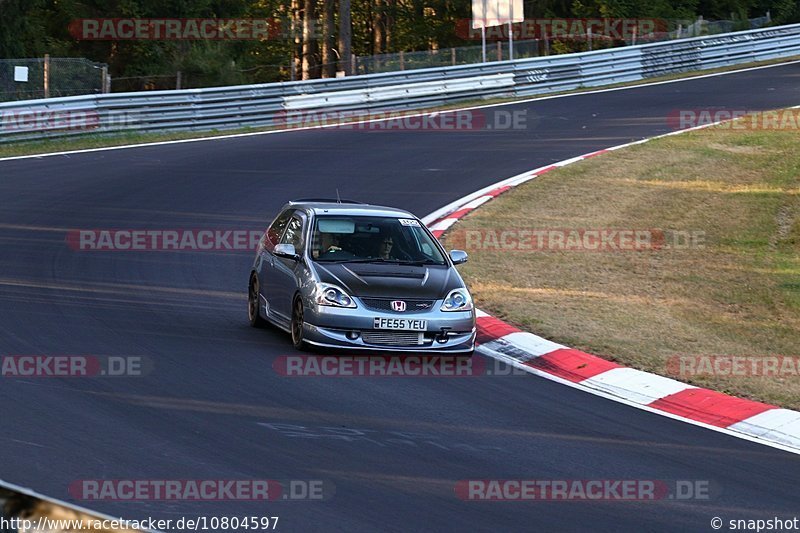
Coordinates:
(371,239)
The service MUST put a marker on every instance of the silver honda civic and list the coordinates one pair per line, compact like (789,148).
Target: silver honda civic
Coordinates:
(341,274)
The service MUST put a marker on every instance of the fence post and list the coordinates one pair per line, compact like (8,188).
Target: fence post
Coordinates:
(178,81)
(104,80)
(499,51)
(353,64)
(453,56)
(589,37)
(47,75)
(402,60)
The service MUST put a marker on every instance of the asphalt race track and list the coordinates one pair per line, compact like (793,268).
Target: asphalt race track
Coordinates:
(212,404)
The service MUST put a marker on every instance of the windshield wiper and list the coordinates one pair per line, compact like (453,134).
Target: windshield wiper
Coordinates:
(419,263)
(361,260)
(382,260)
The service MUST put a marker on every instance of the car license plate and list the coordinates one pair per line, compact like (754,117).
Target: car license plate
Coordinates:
(406,324)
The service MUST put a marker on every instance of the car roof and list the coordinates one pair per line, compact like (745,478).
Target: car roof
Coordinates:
(347,208)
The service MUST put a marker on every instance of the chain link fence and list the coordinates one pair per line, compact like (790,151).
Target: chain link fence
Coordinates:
(499,50)
(23,79)
(683,29)
(26,79)
(444,57)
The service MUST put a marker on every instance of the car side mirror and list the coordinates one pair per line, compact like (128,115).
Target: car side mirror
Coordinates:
(458,256)
(287,251)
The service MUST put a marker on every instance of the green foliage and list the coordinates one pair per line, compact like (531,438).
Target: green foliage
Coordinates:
(31,28)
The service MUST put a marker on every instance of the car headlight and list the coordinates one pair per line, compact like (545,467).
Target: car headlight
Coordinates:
(457,300)
(329,294)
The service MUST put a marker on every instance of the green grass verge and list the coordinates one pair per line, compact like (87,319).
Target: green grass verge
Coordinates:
(734,293)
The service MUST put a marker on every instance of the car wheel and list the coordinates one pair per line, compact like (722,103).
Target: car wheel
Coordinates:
(252,303)
(297,324)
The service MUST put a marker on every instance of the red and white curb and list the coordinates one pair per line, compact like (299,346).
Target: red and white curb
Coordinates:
(746,419)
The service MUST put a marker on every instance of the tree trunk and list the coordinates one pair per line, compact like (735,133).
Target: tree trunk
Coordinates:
(377,27)
(309,39)
(328,58)
(390,18)
(297,49)
(345,37)
(378,39)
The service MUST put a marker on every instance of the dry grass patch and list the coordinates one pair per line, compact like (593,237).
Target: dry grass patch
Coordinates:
(736,292)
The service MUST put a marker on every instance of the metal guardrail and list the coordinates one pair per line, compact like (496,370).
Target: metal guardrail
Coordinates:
(226,108)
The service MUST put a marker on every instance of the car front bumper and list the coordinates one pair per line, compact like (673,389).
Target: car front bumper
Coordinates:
(353,328)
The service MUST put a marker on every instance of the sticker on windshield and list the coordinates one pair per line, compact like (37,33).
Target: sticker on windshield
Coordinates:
(408,222)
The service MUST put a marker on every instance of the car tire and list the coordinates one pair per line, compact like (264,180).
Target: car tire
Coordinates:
(253,315)
(298,313)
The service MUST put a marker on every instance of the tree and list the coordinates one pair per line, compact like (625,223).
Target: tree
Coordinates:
(328,62)
(345,36)
(309,39)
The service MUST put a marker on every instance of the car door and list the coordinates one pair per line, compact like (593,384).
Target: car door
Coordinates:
(265,265)
(285,270)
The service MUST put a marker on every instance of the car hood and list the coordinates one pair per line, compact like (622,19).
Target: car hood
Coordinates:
(391,281)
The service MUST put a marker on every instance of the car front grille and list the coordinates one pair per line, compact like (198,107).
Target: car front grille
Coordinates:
(394,338)
(385,304)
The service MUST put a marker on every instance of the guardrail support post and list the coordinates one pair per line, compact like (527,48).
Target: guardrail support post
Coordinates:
(510,42)
(483,41)
(47,75)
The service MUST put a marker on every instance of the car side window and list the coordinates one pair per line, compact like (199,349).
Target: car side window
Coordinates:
(294,234)
(275,231)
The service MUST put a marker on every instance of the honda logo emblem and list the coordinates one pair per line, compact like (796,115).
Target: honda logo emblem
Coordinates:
(398,305)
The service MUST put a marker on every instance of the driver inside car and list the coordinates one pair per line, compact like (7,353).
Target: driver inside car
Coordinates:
(385,247)
(326,243)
